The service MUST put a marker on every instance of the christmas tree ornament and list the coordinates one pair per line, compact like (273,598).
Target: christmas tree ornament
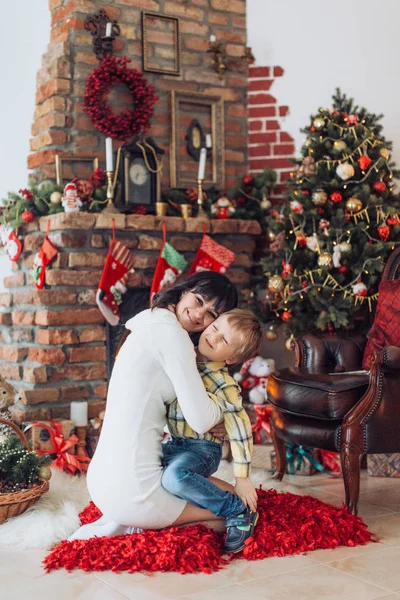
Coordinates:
(301,241)
(56,197)
(304,284)
(336,256)
(319,198)
(393,220)
(364,162)
(271,334)
(345,247)
(345,171)
(339,146)
(11,242)
(45,473)
(70,200)
(27,195)
(27,216)
(43,258)
(286,315)
(384,152)
(343,269)
(352,119)
(287,268)
(275,284)
(313,243)
(222,208)
(271,236)
(113,281)
(307,143)
(384,232)
(325,260)
(324,224)
(211,257)
(336,197)
(170,265)
(296,206)
(289,344)
(248,180)
(319,123)
(308,167)
(379,186)
(265,203)
(353,205)
(359,289)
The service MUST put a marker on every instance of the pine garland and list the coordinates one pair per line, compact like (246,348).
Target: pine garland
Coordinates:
(19,467)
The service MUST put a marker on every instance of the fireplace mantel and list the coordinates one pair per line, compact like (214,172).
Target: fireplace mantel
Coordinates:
(52,343)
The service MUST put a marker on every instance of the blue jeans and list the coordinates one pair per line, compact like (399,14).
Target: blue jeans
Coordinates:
(187,465)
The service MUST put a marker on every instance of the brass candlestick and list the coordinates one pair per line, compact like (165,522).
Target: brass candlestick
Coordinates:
(110,208)
(201,212)
(80,431)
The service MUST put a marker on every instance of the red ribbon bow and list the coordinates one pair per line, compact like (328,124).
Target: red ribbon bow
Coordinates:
(263,414)
(64,460)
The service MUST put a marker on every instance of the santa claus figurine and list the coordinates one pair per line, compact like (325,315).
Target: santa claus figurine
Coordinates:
(71,201)
(222,208)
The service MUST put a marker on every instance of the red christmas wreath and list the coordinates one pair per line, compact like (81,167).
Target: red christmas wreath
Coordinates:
(132,121)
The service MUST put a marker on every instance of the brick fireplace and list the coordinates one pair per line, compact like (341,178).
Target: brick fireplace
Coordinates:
(53,344)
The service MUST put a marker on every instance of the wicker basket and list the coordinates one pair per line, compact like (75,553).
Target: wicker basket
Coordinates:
(16,503)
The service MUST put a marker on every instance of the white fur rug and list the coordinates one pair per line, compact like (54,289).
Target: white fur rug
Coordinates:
(55,516)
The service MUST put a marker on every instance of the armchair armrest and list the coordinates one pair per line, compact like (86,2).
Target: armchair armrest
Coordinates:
(388,358)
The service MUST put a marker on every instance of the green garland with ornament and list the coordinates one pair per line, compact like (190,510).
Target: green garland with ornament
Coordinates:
(330,240)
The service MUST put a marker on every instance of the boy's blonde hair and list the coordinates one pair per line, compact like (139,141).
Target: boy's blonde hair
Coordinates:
(246,323)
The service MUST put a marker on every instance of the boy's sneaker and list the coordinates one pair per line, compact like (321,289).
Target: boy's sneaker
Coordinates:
(239,529)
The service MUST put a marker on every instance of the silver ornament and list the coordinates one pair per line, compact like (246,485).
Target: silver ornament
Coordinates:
(319,123)
(345,171)
(339,146)
(319,197)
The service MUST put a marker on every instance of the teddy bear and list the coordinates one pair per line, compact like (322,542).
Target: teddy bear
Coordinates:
(253,376)
(8,396)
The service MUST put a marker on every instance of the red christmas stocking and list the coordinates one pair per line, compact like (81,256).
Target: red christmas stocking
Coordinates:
(112,286)
(11,242)
(211,257)
(170,265)
(46,254)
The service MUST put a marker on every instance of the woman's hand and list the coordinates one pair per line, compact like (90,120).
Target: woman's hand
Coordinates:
(219,430)
(247,492)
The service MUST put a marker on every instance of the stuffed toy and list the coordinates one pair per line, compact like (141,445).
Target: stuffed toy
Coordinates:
(253,376)
(222,208)
(71,201)
(8,396)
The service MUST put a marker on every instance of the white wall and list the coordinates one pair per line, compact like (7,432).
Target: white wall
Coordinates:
(24,38)
(351,44)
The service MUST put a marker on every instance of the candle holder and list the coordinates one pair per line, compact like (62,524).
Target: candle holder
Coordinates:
(110,208)
(80,431)
(201,212)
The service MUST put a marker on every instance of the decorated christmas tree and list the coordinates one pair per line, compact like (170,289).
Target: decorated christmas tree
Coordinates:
(331,238)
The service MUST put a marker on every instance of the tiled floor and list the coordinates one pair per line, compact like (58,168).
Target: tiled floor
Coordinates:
(364,573)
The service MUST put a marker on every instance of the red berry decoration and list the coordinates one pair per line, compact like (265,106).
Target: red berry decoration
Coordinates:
(27,195)
(352,119)
(286,315)
(112,71)
(364,162)
(240,201)
(248,180)
(379,186)
(304,284)
(27,216)
(384,232)
(343,270)
(306,192)
(336,197)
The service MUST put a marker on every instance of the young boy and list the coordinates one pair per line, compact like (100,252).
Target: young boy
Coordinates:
(189,458)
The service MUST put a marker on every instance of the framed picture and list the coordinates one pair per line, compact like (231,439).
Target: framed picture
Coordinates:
(194,116)
(161,44)
(65,164)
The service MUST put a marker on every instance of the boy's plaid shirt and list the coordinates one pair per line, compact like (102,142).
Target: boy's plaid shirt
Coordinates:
(224,390)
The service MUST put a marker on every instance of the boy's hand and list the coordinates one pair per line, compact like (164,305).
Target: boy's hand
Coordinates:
(219,430)
(247,492)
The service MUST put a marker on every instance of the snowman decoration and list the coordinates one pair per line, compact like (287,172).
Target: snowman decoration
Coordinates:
(70,200)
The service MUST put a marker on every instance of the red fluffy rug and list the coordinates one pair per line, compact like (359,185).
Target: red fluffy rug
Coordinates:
(288,524)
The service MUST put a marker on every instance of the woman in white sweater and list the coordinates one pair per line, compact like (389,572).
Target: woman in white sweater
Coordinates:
(155,365)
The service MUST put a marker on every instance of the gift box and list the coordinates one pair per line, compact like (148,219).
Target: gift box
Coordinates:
(39,437)
(263,457)
(259,419)
(383,465)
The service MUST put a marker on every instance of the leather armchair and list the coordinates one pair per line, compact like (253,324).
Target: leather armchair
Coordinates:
(322,403)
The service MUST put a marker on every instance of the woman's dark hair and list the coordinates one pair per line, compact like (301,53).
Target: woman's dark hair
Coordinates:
(208,284)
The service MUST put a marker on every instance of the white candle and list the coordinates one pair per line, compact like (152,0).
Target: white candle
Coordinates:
(108,29)
(213,38)
(202,163)
(79,413)
(109,155)
(208,140)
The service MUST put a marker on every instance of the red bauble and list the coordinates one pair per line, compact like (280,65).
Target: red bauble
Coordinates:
(27,216)
(286,315)
(336,197)
(384,232)
(27,195)
(248,180)
(379,186)
(343,269)
(352,119)
(321,211)
(364,162)
(301,241)
(304,284)
(392,220)
(306,192)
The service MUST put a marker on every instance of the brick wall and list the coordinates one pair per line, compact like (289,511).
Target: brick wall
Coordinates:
(61,126)
(268,144)
(52,341)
